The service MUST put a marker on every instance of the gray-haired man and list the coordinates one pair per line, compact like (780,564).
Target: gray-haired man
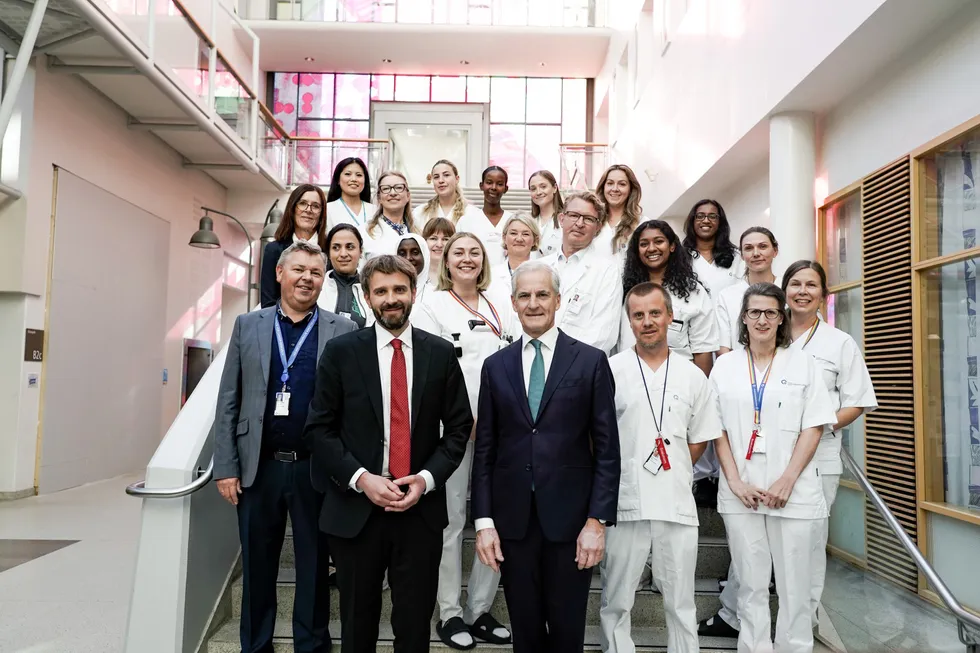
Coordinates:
(260,462)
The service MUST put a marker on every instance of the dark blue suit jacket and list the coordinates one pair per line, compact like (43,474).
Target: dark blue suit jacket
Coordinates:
(570,453)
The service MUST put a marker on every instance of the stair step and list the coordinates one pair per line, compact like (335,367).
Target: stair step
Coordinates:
(648,610)
(226,640)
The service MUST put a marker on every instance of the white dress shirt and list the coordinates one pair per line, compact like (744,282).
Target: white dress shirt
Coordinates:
(549,340)
(385,354)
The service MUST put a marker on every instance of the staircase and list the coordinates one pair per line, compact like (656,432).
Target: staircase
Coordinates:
(649,625)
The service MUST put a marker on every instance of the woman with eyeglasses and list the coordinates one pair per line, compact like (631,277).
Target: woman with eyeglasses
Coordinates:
(707,237)
(757,248)
(305,218)
(478,319)
(774,407)
(342,293)
(546,206)
(655,254)
(488,224)
(620,190)
(349,197)
(392,220)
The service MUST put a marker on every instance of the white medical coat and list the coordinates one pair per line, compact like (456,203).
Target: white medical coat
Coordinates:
(846,377)
(717,278)
(795,398)
(689,418)
(728,305)
(591,296)
(693,331)
(384,240)
(339,213)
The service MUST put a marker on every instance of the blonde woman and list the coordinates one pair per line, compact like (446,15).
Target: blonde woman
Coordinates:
(620,191)
(546,206)
(393,219)
(521,242)
(448,202)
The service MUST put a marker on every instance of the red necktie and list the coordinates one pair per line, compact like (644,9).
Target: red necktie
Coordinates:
(400,441)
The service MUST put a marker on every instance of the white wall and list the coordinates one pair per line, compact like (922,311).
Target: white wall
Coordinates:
(81,131)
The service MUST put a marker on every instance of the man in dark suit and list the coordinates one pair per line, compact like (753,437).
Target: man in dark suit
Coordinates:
(381,395)
(260,461)
(545,469)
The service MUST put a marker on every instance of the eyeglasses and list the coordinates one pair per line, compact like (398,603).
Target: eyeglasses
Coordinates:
(392,190)
(590,220)
(706,217)
(756,313)
(302,205)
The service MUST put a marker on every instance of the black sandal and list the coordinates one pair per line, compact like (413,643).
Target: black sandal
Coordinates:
(484,626)
(453,626)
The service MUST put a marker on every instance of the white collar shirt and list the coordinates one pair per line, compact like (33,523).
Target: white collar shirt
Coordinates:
(549,340)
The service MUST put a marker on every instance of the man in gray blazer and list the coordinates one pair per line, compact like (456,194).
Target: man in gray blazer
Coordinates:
(260,462)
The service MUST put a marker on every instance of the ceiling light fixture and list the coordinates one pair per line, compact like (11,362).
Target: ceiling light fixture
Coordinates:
(386,60)
(464,62)
(311,59)
(542,64)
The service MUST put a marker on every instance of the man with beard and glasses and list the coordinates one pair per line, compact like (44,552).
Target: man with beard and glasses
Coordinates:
(373,428)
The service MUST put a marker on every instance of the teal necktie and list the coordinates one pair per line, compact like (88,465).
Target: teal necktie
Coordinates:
(535,388)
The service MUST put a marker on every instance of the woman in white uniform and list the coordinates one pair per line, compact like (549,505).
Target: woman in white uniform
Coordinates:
(342,293)
(773,407)
(707,236)
(392,220)
(847,379)
(437,233)
(448,202)
(488,224)
(349,197)
(521,240)
(621,192)
(478,322)
(546,206)
(655,254)
(757,248)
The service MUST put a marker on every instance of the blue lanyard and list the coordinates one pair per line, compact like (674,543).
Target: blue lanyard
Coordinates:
(351,213)
(299,345)
(758,390)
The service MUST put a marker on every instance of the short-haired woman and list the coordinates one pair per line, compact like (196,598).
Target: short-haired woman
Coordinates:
(305,218)
(774,407)
(521,242)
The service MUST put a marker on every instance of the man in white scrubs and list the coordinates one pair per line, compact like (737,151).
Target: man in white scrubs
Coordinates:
(591,282)
(666,417)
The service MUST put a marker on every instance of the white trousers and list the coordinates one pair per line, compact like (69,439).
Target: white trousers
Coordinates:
(818,565)
(483,581)
(674,549)
(759,545)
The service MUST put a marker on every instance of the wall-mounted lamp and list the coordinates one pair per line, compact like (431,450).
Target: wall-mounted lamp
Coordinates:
(205,238)
(272,219)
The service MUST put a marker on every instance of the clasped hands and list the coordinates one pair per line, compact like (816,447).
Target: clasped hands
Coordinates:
(589,548)
(775,497)
(389,494)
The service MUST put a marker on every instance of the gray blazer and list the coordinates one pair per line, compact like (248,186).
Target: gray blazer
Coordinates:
(244,386)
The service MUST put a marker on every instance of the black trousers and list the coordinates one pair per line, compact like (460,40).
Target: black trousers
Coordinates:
(280,488)
(403,545)
(544,587)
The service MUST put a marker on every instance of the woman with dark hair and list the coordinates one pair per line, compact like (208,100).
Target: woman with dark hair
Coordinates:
(546,206)
(488,224)
(773,406)
(620,190)
(342,293)
(757,248)
(349,197)
(305,218)
(707,236)
(654,253)
(392,220)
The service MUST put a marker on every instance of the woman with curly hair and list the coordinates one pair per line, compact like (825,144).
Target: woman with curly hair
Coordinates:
(708,238)
(654,253)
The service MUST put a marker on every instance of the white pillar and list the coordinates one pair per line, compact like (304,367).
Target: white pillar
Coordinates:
(792,171)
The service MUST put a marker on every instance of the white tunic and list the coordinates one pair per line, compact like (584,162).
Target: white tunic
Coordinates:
(550,238)
(693,331)
(492,236)
(339,213)
(420,219)
(604,239)
(717,278)
(591,296)
(846,377)
(688,418)
(440,314)
(795,399)
(728,305)
(384,240)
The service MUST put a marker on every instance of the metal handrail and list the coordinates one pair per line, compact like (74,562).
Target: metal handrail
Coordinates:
(963,616)
(204,477)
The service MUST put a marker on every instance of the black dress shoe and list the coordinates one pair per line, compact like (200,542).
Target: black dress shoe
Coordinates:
(455,626)
(716,627)
(485,628)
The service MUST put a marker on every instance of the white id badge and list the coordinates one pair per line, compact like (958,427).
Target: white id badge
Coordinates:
(653,464)
(282,404)
(760,442)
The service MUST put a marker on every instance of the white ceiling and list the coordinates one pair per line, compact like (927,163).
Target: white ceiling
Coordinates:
(431,49)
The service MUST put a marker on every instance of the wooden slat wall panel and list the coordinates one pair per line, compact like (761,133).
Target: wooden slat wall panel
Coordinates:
(886,206)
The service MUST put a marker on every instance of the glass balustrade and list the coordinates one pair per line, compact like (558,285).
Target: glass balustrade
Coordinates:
(313,159)
(233,101)
(534,13)
(274,146)
(582,164)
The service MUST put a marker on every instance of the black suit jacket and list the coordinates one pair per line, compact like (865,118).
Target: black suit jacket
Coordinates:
(570,453)
(269,289)
(345,427)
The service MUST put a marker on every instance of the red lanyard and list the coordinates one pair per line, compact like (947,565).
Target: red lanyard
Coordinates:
(493,327)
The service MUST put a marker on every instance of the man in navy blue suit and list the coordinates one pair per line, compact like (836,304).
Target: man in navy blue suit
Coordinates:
(545,469)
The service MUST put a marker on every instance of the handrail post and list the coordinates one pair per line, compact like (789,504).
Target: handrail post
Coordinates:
(255,100)
(151,36)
